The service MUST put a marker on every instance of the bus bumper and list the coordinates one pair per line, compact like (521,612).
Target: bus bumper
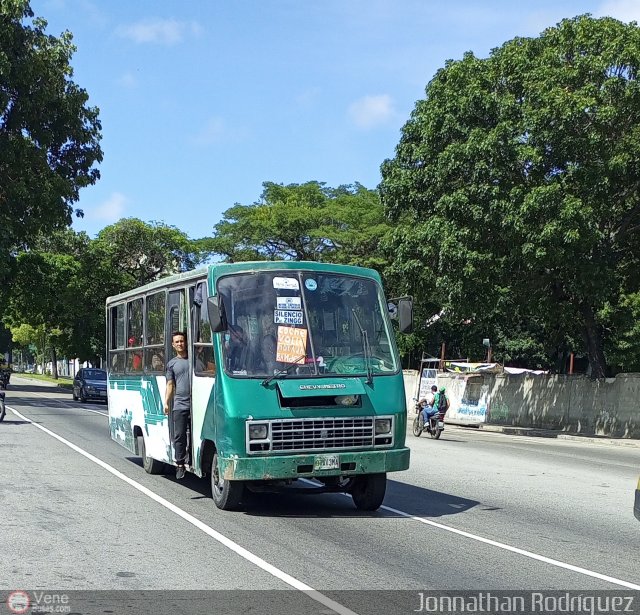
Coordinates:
(278,467)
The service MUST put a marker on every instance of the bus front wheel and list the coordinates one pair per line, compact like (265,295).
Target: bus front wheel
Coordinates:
(368,491)
(226,494)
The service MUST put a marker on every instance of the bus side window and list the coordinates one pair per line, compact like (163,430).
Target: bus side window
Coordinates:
(134,333)
(203,362)
(154,359)
(116,341)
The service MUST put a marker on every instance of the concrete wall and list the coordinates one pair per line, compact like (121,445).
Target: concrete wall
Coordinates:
(574,404)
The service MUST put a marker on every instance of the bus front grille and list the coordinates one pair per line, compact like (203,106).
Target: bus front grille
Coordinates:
(321,434)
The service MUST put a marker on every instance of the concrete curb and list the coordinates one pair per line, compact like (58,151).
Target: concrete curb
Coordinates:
(550,433)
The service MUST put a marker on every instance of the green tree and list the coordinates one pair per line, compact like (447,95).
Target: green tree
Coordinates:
(95,278)
(304,222)
(49,136)
(63,281)
(142,252)
(41,294)
(517,180)
(31,338)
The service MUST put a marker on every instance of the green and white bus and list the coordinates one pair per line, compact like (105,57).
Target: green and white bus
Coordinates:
(295,374)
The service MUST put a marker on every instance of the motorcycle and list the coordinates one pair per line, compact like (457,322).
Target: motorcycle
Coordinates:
(434,427)
(5,375)
(3,409)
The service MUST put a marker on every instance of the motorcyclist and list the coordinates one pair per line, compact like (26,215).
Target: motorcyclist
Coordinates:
(429,407)
(441,402)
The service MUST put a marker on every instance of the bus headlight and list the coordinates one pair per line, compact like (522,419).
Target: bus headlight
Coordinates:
(258,431)
(347,400)
(383,426)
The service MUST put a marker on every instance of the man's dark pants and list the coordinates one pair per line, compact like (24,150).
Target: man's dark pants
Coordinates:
(181,428)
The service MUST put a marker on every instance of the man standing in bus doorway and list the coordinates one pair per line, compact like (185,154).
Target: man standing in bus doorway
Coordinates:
(179,389)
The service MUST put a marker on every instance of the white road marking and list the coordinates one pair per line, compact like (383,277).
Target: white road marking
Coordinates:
(70,404)
(90,410)
(230,544)
(500,545)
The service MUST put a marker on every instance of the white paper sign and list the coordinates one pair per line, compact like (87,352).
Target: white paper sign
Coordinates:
(292,345)
(288,303)
(287,317)
(288,283)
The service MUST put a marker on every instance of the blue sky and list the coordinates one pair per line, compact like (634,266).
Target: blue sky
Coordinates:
(201,101)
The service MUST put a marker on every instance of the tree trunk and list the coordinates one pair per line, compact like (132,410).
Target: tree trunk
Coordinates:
(592,333)
(43,354)
(54,362)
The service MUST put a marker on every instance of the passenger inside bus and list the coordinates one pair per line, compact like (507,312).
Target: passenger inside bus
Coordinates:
(236,348)
(204,362)
(135,357)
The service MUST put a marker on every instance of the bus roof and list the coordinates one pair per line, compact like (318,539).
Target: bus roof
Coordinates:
(217,270)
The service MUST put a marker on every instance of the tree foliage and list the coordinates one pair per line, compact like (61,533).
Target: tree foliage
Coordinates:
(63,281)
(143,252)
(519,178)
(304,222)
(49,135)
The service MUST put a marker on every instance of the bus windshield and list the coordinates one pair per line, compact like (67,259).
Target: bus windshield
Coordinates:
(305,324)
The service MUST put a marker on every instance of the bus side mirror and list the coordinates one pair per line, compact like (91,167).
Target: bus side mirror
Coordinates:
(215,310)
(405,314)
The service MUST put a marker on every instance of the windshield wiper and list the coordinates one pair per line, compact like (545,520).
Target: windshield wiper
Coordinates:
(365,347)
(284,370)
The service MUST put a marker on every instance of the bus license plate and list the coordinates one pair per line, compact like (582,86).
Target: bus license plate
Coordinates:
(326,462)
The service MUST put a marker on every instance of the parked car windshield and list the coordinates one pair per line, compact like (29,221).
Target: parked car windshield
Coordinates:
(94,374)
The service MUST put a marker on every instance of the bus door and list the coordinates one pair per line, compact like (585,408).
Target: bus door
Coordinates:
(203,369)
(177,320)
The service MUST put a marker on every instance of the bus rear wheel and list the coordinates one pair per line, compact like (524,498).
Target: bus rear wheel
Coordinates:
(368,491)
(226,494)
(150,465)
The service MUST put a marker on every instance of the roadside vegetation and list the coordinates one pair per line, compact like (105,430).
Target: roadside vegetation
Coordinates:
(61,381)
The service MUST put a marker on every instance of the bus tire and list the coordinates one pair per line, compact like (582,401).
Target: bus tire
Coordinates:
(150,465)
(226,494)
(368,491)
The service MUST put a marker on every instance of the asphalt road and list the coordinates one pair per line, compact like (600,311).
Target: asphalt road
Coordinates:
(475,511)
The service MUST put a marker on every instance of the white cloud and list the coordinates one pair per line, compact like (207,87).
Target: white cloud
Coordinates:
(156,30)
(371,111)
(128,80)
(308,96)
(216,130)
(624,10)
(110,210)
